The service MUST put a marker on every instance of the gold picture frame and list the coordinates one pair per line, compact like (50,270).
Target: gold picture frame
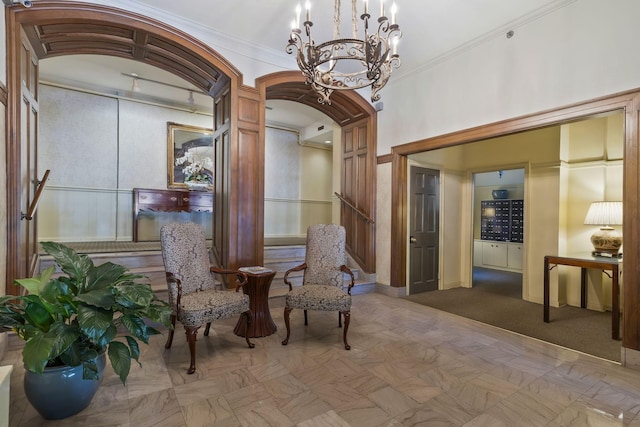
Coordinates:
(183,139)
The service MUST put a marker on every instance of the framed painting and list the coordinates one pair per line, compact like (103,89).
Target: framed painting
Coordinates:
(190,156)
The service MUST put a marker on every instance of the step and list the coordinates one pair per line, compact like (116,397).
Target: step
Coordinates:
(130,260)
(278,252)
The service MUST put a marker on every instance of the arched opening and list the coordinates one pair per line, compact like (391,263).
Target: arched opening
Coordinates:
(61,28)
(357,118)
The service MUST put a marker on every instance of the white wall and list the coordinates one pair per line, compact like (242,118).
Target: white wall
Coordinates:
(584,50)
(98,149)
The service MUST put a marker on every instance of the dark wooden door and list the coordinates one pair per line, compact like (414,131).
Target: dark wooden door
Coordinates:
(358,188)
(424,230)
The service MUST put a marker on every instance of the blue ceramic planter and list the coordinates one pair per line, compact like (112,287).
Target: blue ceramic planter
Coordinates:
(61,392)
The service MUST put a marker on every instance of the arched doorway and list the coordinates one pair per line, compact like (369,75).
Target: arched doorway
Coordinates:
(358,177)
(55,28)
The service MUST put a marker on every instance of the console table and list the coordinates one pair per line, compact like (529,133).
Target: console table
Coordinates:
(155,200)
(584,262)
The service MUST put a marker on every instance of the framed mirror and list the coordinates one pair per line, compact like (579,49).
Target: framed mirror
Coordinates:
(190,157)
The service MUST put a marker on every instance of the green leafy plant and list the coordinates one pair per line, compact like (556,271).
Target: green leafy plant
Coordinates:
(70,320)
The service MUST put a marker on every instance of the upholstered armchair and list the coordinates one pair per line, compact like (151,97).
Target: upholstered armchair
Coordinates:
(323,280)
(192,285)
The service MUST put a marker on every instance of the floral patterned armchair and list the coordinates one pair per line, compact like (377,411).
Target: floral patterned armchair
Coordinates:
(192,290)
(322,285)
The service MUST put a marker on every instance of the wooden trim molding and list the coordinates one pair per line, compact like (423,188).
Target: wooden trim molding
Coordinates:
(628,102)
(399,217)
(385,158)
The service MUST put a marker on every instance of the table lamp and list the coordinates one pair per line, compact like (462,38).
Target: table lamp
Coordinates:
(606,241)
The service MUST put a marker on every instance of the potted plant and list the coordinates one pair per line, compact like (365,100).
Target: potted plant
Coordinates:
(195,171)
(70,321)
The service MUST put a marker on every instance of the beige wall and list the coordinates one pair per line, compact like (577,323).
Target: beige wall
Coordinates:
(298,185)
(593,172)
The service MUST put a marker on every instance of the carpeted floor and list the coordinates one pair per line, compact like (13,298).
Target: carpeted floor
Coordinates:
(495,299)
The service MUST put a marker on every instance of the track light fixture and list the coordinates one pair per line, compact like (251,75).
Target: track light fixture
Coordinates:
(135,87)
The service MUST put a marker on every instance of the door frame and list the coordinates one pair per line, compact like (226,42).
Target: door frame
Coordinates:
(628,102)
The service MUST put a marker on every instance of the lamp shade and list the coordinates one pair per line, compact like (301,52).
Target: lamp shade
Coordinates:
(606,241)
(604,213)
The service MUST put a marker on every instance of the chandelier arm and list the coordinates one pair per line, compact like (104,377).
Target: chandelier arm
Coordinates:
(373,57)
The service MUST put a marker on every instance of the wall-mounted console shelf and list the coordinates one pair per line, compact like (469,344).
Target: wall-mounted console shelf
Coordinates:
(155,200)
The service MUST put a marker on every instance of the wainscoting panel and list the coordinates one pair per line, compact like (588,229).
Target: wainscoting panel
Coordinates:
(286,217)
(67,214)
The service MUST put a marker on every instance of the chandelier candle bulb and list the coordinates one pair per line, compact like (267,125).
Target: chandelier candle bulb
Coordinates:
(394,10)
(347,63)
(381,8)
(298,10)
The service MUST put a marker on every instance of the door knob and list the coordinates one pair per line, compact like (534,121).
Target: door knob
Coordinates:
(412,239)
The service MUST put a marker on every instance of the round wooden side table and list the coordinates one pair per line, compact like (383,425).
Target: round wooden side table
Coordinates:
(258,290)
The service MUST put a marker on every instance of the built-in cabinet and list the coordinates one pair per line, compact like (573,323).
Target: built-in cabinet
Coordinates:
(501,235)
(498,255)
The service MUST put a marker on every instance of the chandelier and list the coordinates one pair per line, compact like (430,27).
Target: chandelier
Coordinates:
(347,63)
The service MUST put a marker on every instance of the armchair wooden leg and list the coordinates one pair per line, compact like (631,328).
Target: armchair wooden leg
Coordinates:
(206,329)
(305,318)
(192,332)
(171,331)
(249,317)
(347,318)
(287,312)
(339,319)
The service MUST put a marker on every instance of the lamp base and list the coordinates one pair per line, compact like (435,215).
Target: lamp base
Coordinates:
(606,241)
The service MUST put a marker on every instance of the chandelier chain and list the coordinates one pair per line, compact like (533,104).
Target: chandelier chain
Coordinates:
(336,19)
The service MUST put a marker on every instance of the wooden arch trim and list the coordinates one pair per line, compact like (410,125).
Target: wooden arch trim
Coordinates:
(346,107)
(57,28)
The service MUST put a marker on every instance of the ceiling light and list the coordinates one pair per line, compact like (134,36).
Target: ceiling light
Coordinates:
(136,88)
(347,63)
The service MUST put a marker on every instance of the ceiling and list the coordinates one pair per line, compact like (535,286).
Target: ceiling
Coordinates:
(432,30)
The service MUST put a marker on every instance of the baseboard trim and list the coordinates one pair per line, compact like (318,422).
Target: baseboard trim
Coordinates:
(391,291)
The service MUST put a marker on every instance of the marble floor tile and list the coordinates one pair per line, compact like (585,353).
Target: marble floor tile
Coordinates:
(409,365)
